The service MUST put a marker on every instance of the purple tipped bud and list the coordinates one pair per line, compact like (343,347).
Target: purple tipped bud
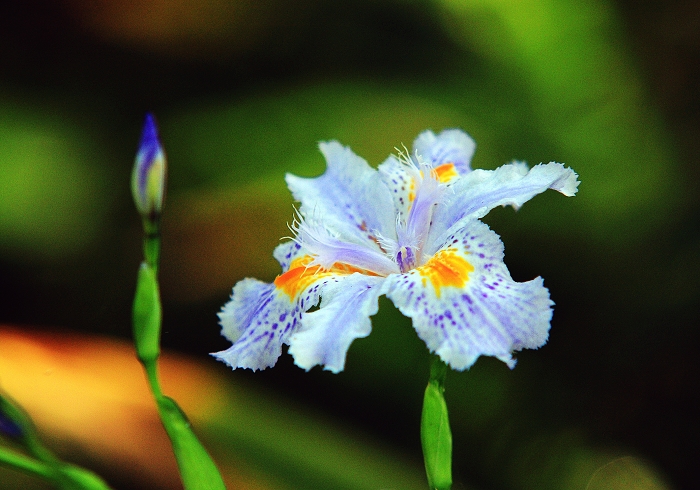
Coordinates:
(9,427)
(148,177)
(13,420)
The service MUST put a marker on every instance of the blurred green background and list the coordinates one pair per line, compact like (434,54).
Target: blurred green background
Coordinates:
(243,91)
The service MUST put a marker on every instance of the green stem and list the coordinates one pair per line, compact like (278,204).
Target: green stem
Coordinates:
(64,476)
(151,370)
(26,464)
(436,436)
(151,245)
(197,469)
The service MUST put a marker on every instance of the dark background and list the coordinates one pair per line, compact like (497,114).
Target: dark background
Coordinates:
(243,92)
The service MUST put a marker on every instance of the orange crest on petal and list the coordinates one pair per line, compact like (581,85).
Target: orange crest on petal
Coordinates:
(300,275)
(446,172)
(446,268)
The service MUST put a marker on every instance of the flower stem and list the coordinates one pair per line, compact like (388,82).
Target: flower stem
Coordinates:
(25,464)
(151,246)
(197,469)
(436,436)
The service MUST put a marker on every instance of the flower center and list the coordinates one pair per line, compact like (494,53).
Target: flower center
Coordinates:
(412,231)
(406,259)
(387,255)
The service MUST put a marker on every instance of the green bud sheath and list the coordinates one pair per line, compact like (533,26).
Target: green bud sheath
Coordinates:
(436,436)
(147,315)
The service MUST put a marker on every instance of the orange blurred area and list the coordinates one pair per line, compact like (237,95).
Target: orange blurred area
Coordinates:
(88,396)
(89,400)
(182,27)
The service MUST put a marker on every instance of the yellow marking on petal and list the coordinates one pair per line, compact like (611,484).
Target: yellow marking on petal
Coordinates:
(446,268)
(300,275)
(446,172)
(412,191)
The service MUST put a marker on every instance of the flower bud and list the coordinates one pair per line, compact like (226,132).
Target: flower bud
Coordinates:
(9,427)
(149,174)
(13,420)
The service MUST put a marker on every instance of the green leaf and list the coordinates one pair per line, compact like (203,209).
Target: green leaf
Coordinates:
(76,478)
(25,464)
(197,469)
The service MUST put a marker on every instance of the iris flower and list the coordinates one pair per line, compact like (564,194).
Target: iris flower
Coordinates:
(409,230)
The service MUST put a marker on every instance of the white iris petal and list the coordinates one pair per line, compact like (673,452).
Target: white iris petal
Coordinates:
(365,230)
(328,248)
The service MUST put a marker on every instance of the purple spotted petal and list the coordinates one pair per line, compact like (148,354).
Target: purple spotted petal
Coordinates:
(326,334)
(286,252)
(489,315)
(257,320)
(475,194)
(450,146)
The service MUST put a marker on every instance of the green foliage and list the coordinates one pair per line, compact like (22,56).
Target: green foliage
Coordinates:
(585,98)
(52,198)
